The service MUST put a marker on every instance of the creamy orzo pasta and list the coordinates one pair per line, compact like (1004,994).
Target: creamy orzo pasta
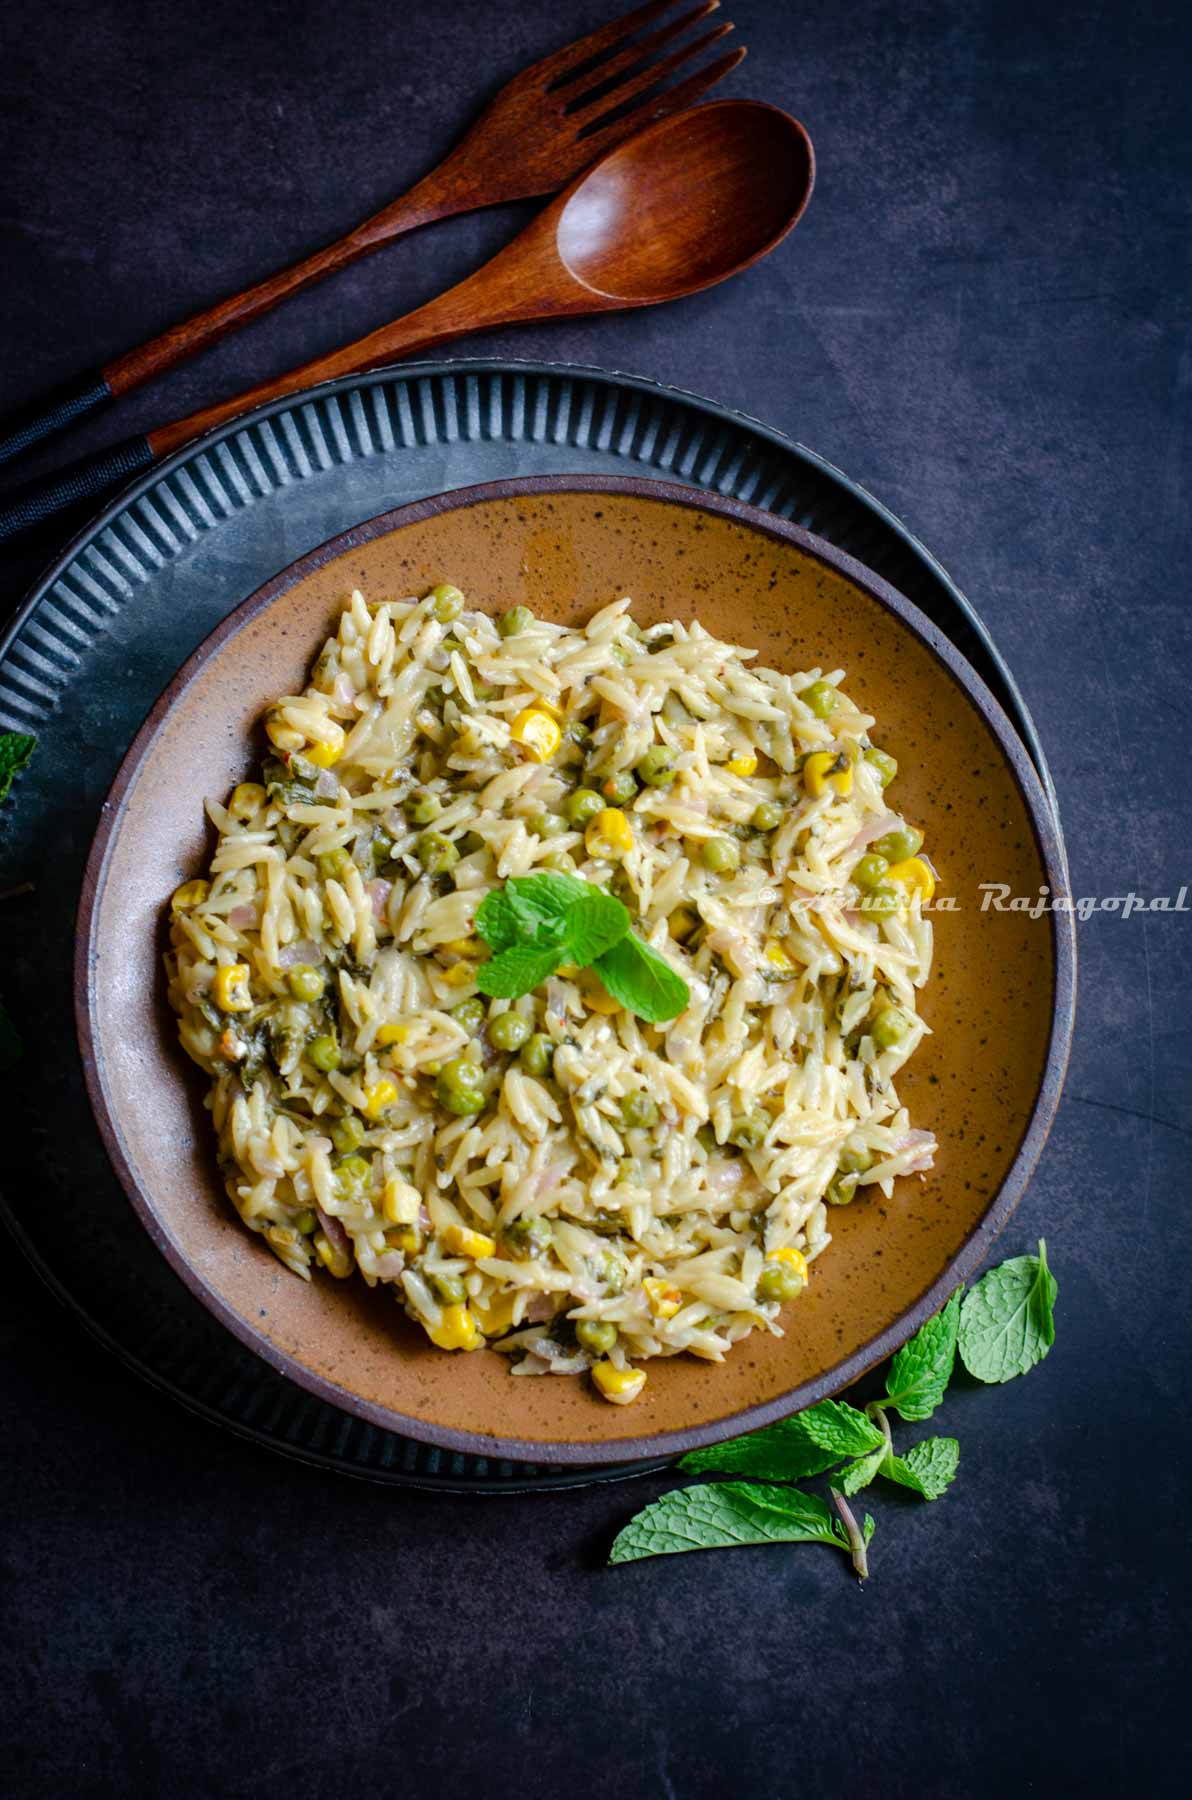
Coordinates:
(551,1174)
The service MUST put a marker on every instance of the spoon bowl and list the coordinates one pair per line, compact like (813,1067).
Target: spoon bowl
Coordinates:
(688,204)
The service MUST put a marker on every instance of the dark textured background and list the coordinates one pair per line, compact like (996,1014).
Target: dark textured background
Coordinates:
(985,318)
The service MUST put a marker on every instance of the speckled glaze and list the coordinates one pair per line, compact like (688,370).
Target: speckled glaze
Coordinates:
(999,1002)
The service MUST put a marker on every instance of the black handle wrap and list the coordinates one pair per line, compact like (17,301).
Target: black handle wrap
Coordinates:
(91,478)
(65,407)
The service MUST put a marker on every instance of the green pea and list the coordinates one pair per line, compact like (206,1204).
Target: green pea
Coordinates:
(853,1161)
(638,1111)
(889,1028)
(470,1014)
(353,1174)
(578,733)
(333,864)
(657,767)
(458,1089)
(885,764)
(778,1281)
(842,1190)
(323,1053)
(868,871)
(508,1031)
(528,1236)
(547,825)
(618,788)
(560,861)
(515,621)
(749,1131)
(537,1054)
(880,900)
(581,806)
(446,1287)
(436,853)
(446,602)
(305,983)
(420,809)
(720,855)
(896,846)
(484,690)
(348,1133)
(469,843)
(612,1271)
(597,1335)
(821,697)
(767,816)
(381,849)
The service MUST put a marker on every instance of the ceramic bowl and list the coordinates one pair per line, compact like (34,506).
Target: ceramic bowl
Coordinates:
(999,1001)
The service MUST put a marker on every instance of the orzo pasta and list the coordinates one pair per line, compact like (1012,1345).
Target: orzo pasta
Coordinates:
(552,1175)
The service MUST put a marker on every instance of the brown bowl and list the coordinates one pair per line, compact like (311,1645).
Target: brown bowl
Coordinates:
(999,1002)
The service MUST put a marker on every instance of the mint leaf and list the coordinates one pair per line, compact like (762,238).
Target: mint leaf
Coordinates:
(922,1369)
(858,1475)
(838,1427)
(11,1047)
(16,747)
(723,1514)
(541,904)
(928,1469)
(496,921)
(783,1452)
(640,979)
(518,970)
(1006,1322)
(594,925)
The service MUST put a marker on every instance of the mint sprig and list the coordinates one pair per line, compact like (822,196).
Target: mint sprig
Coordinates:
(1005,1324)
(536,924)
(16,747)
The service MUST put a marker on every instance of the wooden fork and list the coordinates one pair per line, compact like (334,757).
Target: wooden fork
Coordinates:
(544,126)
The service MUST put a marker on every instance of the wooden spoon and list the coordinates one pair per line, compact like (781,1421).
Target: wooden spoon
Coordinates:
(688,202)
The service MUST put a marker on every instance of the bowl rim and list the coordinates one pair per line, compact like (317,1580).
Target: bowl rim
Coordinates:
(806,1393)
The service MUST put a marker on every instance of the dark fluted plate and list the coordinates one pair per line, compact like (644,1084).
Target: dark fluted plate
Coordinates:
(101,635)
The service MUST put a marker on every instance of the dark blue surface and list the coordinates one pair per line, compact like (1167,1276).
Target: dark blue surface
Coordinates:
(984,318)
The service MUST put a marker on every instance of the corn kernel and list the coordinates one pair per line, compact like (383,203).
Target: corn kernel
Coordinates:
(323,755)
(460,974)
(400,1203)
(537,732)
(191,893)
(457,1331)
(336,1262)
(595,995)
(664,1299)
(827,769)
(794,1258)
(392,1034)
(777,957)
(609,835)
(742,765)
(406,1238)
(379,1098)
(465,946)
(621,1386)
(462,1241)
(914,874)
(495,1318)
(682,922)
(231,988)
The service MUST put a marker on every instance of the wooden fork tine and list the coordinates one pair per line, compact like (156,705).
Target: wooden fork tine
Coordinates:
(628,59)
(556,68)
(676,99)
(638,84)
